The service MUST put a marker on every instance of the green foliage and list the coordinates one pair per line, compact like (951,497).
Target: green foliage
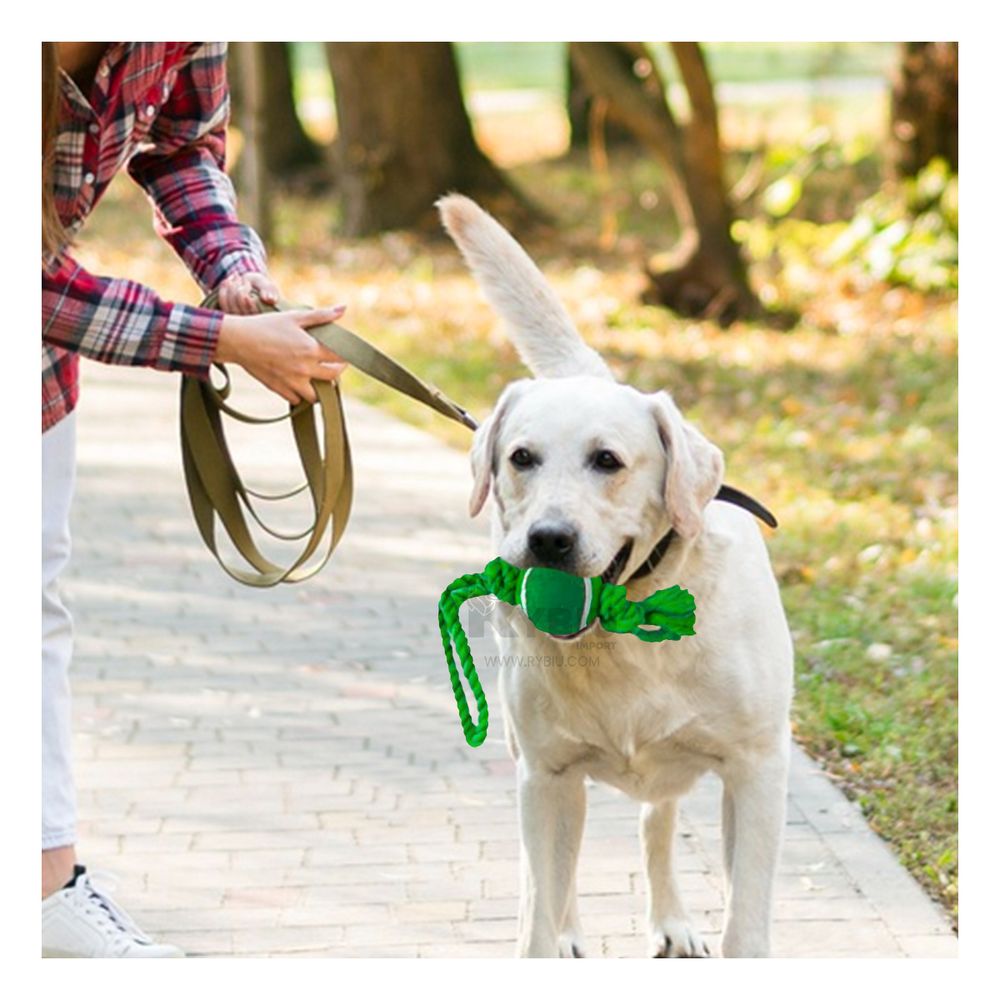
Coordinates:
(904,235)
(789,165)
(783,195)
(907,236)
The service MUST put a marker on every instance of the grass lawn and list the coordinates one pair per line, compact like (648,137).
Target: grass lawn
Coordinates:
(845,426)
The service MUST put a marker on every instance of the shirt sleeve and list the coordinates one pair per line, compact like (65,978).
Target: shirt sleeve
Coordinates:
(123,322)
(182,170)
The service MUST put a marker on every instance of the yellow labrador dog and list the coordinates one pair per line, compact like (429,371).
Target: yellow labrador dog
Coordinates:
(598,479)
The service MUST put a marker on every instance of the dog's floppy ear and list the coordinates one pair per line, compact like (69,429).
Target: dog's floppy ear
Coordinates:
(694,467)
(484,459)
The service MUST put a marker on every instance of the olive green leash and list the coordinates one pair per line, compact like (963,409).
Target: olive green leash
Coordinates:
(555,602)
(217,493)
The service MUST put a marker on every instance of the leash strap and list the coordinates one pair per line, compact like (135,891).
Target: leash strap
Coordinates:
(216,490)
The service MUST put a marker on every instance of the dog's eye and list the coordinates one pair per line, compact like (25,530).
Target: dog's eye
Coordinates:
(521,458)
(606,461)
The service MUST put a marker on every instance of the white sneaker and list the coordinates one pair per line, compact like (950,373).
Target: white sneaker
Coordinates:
(81,921)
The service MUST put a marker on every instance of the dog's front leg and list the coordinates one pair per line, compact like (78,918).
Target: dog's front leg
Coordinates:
(671,932)
(552,808)
(753,821)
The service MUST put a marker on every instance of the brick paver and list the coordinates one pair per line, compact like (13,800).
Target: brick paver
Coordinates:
(283,773)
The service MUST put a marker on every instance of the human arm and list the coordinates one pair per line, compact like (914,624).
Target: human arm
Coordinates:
(118,321)
(181,167)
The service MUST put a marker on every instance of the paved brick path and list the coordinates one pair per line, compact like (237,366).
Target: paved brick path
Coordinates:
(282,772)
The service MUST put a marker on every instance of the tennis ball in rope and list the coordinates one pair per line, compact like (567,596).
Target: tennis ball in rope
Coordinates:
(554,602)
(557,602)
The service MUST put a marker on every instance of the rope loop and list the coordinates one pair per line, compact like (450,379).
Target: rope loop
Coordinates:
(453,636)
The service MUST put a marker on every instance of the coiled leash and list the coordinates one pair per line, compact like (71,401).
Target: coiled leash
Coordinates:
(216,490)
(555,602)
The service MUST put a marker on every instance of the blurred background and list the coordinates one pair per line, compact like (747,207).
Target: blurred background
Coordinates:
(768,230)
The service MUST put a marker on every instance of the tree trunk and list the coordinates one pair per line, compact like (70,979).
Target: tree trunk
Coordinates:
(289,149)
(714,280)
(579,104)
(251,176)
(404,136)
(925,106)
(703,274)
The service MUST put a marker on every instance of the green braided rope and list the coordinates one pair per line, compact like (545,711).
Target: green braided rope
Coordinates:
(667,614)
(502,579)
(461,590)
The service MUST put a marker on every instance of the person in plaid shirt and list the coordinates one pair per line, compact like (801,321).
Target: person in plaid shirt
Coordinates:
(160,109)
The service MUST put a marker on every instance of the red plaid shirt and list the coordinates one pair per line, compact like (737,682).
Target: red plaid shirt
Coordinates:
(161,108)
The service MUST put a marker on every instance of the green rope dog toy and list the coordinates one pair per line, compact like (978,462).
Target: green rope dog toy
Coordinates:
(555,602)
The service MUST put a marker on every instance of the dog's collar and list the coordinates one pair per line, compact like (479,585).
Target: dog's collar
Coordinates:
(729,494)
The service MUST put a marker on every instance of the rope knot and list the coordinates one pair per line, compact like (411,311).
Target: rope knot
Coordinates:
(502,579)
(667,614)
(616,612)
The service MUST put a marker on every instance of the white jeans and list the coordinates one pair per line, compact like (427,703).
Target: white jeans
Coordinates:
(58,793)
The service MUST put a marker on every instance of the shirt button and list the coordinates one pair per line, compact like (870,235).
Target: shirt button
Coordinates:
(88,178)
(149,110)
(92,128)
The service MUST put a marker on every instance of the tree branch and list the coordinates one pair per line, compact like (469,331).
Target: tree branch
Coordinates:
(645,114)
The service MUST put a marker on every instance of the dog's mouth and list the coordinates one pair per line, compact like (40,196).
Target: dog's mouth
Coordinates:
(610,575)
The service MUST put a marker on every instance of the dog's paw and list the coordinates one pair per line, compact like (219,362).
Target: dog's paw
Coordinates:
(755,944)
(678,939)
(570,946)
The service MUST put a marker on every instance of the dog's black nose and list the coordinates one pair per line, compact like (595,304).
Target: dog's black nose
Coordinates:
(553,543)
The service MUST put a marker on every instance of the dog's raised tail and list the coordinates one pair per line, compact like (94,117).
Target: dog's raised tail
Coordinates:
(540,327)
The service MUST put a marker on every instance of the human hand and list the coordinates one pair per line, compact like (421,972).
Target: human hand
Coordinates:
(242,294)
(277,351)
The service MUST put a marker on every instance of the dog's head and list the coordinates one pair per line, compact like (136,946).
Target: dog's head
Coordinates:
(586,474)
